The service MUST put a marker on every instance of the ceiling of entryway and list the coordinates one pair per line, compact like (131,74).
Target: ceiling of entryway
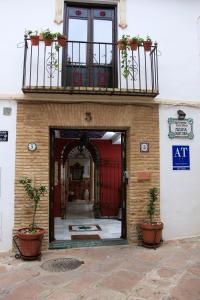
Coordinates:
(115,137)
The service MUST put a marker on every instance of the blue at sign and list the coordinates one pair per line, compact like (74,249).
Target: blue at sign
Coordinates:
(181,157)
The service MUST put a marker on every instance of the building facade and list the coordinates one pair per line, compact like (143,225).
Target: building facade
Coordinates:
(91,86)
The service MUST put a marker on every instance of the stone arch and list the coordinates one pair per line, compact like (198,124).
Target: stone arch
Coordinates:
(94,152)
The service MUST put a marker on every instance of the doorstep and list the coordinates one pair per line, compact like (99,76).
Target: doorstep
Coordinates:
(87,243)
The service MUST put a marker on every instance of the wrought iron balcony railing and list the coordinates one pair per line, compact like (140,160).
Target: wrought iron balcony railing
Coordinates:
(89,68)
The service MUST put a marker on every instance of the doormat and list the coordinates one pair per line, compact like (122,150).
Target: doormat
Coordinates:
(84,227)
(85,237)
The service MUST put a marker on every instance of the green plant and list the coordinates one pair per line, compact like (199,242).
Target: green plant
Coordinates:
(34,194)
(31,33)
(148,39)
(123,46)
(136,39)
(151,207)
(47,34)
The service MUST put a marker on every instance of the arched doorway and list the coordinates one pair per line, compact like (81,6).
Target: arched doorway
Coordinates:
(88,185)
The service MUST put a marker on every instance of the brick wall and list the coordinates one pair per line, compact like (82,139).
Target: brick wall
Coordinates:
(33,123)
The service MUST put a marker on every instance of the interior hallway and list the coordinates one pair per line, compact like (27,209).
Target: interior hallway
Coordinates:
(80,212)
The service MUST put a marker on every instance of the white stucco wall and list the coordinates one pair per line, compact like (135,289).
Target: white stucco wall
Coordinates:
(176,28)
(7,174)
(179,189)
(173,24)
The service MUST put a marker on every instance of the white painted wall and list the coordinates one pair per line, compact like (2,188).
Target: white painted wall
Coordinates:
(173,24)
(7,174)
(179,190)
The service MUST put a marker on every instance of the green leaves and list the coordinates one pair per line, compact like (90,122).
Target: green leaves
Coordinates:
(33,193)
(151,207)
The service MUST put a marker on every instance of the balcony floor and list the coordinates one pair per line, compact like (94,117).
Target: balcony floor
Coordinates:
(90,90)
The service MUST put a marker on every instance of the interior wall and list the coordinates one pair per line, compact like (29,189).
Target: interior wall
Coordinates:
(110,176)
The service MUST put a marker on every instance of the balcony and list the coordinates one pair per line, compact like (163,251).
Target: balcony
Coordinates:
(89,68)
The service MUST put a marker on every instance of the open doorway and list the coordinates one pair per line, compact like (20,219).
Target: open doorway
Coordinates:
(87,177)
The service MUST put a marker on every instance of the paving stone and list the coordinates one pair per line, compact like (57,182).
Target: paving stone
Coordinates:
(3,269)
(172,272)
(188,288)
(166,272)
(25,292)
(101,294)
(122,281)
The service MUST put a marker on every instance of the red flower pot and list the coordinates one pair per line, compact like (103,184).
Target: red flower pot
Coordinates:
(147,45)
(34,40)
(152,233)
(62,40)
(30,243)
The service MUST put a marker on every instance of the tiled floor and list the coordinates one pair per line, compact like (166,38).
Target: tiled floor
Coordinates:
(80,213)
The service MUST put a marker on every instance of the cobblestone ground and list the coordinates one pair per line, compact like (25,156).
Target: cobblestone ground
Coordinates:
(171,272)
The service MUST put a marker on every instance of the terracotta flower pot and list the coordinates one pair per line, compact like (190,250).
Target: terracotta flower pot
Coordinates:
(133,45)
(34,40)
(30,243)
(48,41)
(62,40)
(151,233)
(147,45)
(121,45)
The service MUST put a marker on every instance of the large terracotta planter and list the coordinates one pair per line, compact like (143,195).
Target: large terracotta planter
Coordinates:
(151,234)
(30,243)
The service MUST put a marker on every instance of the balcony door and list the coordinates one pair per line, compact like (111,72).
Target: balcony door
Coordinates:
(90,57)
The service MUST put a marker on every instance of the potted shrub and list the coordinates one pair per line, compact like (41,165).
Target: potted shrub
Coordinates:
(123,42)
(61,39)
(152,231)
(34,37)
(147,43)
(134,42)
(48,37)
(30,238)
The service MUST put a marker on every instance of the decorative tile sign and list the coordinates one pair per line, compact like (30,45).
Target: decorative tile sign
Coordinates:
(3,136)
(181,157)
(180,128)
(144,147)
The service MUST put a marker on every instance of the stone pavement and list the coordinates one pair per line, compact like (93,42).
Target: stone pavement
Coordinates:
(171,272)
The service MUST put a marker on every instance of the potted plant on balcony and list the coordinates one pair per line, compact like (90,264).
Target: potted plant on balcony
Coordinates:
(61,38)
(152,231)
(47,37)
(134,42)
(123,42)
(34,37)
(147,43)
(29,239)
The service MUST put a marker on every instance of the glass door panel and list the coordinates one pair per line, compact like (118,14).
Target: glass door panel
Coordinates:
(102,33)
(77,45)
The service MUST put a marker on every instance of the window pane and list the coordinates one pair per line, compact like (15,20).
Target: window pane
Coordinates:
(77,32)
(102,34)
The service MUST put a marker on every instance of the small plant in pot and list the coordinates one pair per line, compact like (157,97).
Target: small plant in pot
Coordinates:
(123,42)
(134,42)
(152,231)
(47,36)
(29,239)
(147,43)
(61,38)
(34,37)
